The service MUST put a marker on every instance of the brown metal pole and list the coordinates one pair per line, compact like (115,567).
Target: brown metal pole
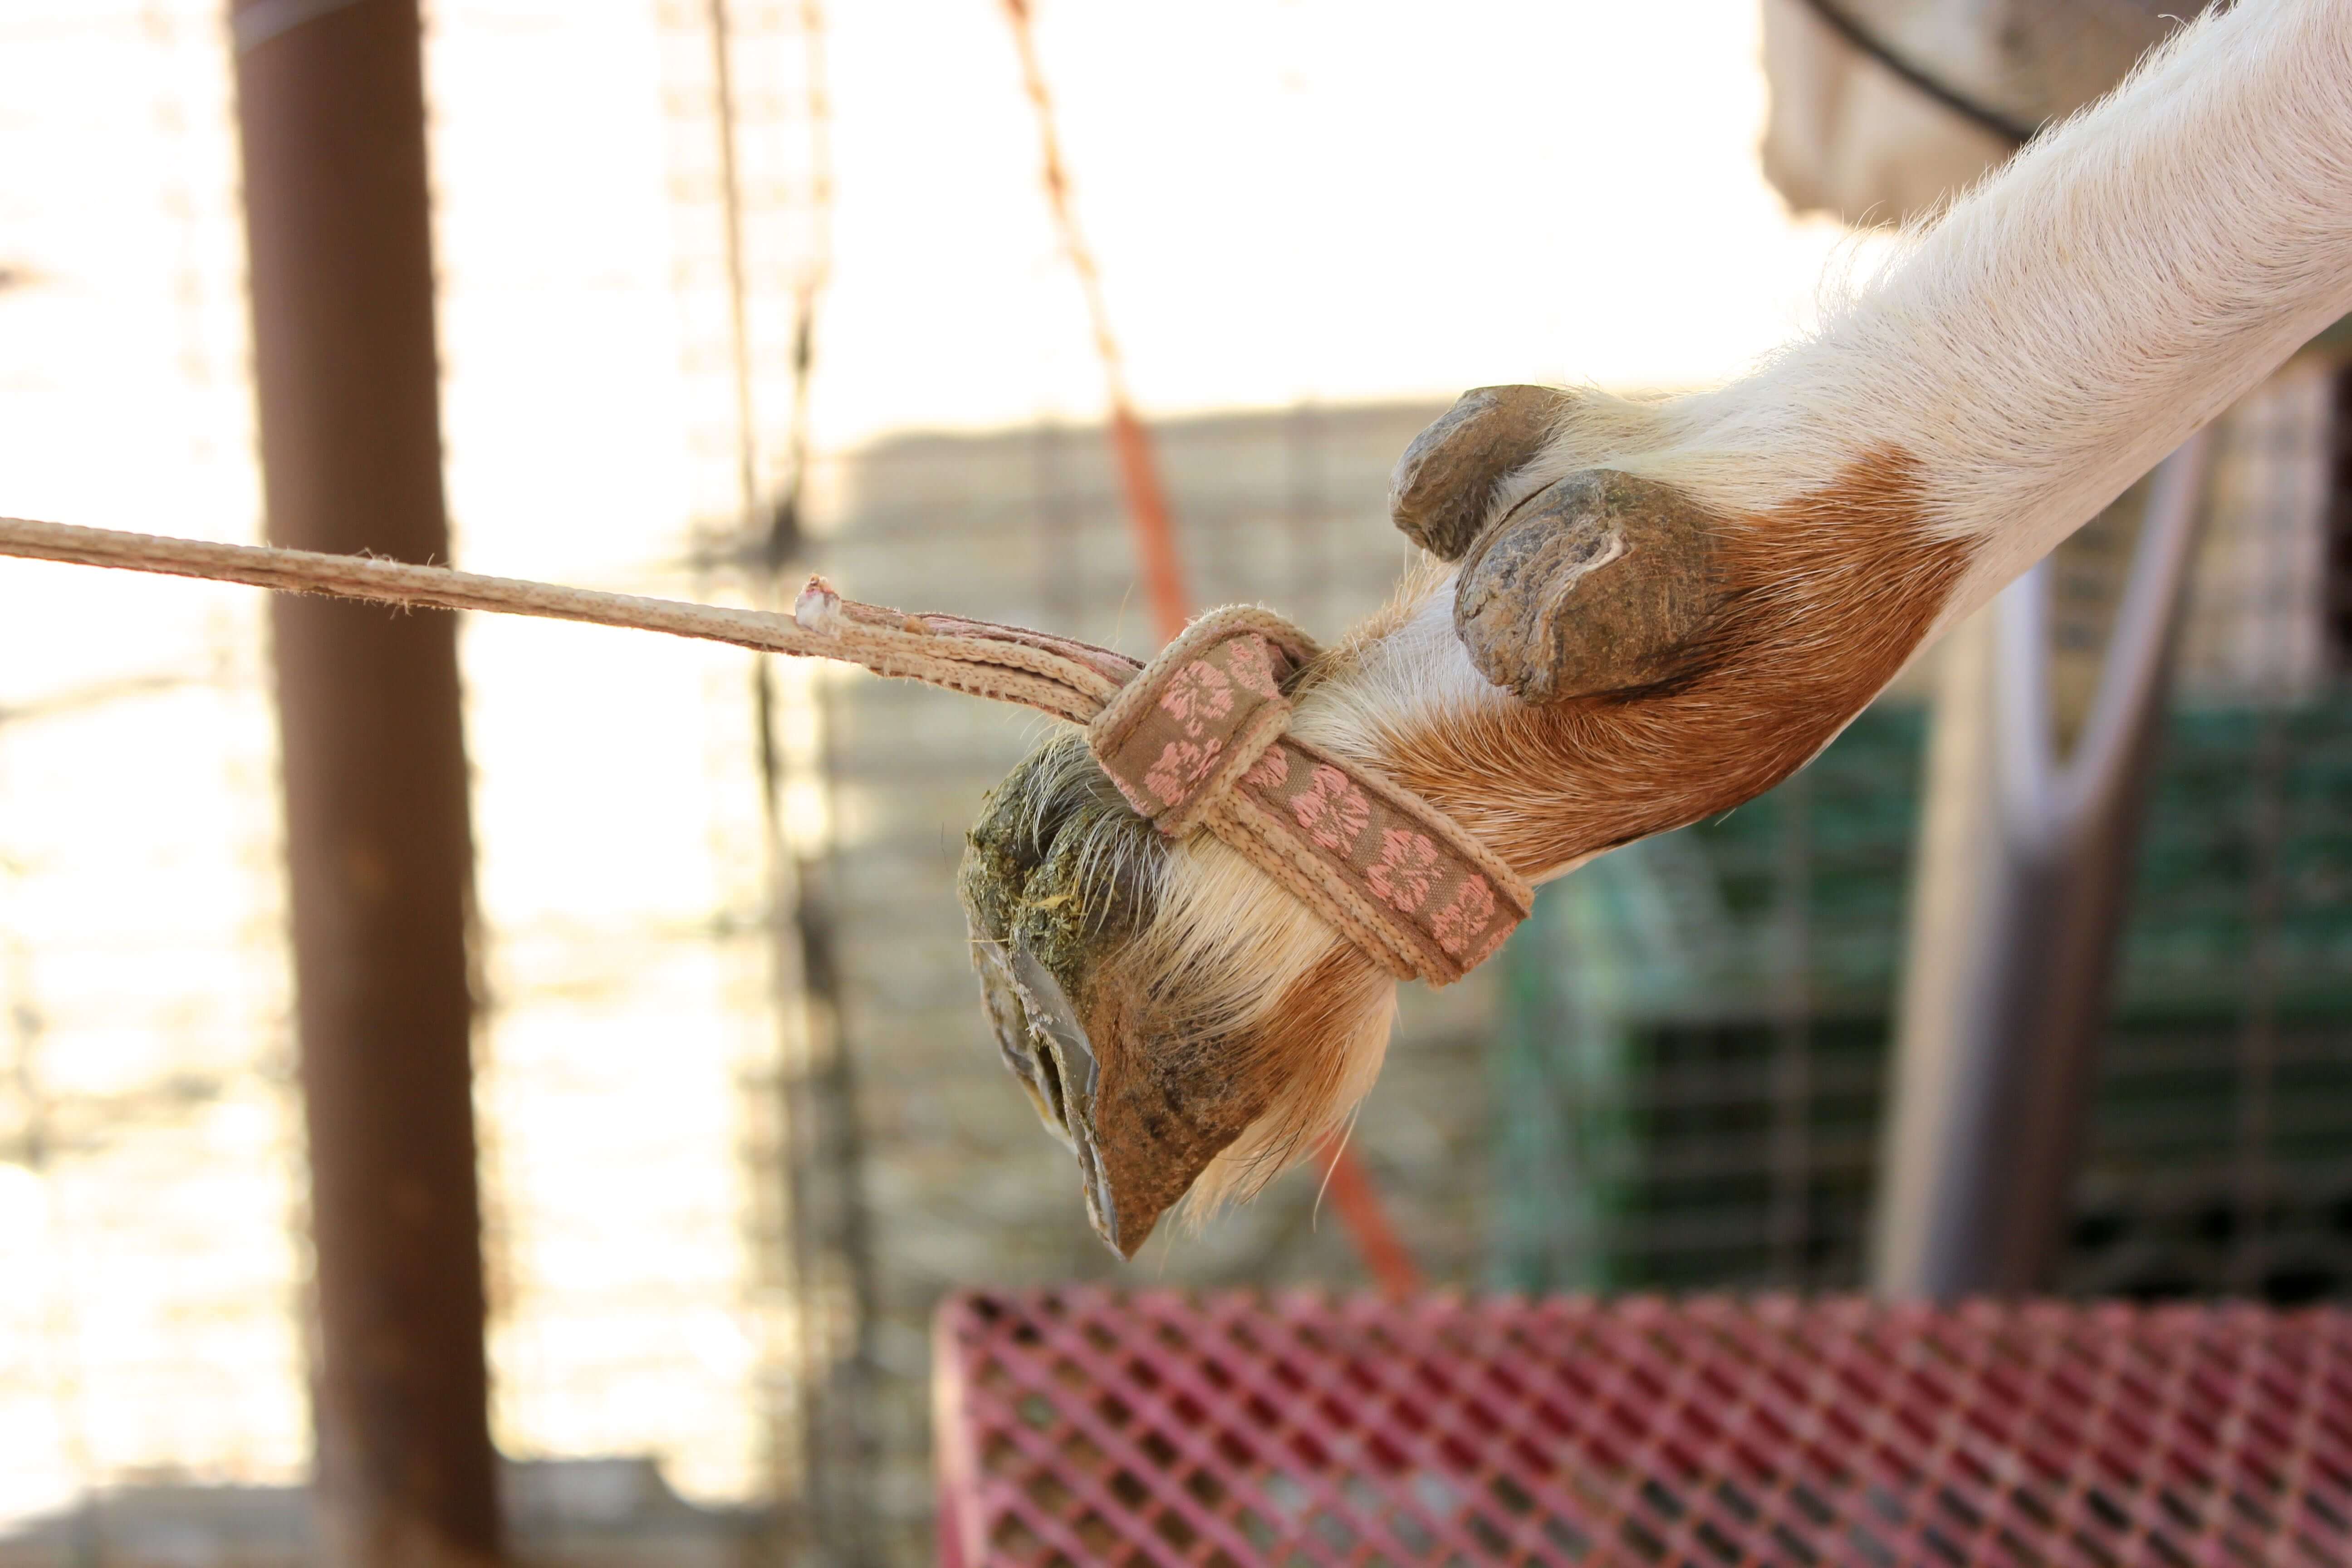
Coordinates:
(378,842)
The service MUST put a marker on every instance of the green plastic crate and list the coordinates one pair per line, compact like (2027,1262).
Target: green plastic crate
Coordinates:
(1690,1075)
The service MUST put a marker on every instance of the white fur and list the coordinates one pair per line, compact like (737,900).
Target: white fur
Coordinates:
(2056,332)
(2123,281)
(1227,943)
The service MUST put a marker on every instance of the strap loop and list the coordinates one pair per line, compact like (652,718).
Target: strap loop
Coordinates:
(1198,740)
(1176,737)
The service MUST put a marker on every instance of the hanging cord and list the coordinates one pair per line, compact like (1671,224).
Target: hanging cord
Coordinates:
(1831,12)
(1139,468)
(787,532)
(830,1232)
(1349,1185)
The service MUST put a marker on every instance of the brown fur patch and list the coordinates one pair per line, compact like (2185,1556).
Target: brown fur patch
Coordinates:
(1302,1056)
(1825,598)
(1167,1104)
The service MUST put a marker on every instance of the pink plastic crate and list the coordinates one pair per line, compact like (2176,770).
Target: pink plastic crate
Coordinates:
(1082,1428)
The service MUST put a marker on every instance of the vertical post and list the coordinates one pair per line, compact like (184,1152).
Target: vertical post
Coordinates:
(1791,1222)
(379,845)
(2024,865)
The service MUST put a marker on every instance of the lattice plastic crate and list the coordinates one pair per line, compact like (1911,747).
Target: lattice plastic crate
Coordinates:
(1082,1428)
(1694,1049)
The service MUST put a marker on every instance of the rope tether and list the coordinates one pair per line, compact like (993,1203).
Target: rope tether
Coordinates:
(1196,739)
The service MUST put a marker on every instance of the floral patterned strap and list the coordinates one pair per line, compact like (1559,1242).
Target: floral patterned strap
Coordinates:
(1386,866)
(1176,737)
(1198,740)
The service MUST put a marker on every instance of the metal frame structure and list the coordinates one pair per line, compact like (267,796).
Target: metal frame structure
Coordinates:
(2025,859)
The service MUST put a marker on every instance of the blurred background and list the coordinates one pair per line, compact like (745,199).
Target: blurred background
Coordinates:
(730,290)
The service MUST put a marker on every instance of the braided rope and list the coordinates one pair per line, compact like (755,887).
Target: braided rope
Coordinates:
(1198,739)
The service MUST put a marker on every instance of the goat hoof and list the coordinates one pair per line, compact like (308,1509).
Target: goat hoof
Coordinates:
(1593,586)
(1449,478)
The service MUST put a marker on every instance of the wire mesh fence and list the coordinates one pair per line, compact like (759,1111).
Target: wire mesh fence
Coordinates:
(649,1331)
(151,1207)
(1689,1051)
(154,1341)
(1693,1065)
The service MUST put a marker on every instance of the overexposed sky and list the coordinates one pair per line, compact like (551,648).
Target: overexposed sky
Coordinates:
(1328,199)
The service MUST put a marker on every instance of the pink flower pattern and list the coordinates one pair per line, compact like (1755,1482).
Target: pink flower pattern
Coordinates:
(1197,694)
(1270,771)
(1250,661)
(1455,909)
(1331,809)
(1467,917)
(1406,868)
(1181,765)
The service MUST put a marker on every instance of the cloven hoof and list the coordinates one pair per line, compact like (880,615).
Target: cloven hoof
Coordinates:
(1452,475)
(1594,586)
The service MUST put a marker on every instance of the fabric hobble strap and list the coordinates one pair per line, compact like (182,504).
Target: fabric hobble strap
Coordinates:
(1199,739)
